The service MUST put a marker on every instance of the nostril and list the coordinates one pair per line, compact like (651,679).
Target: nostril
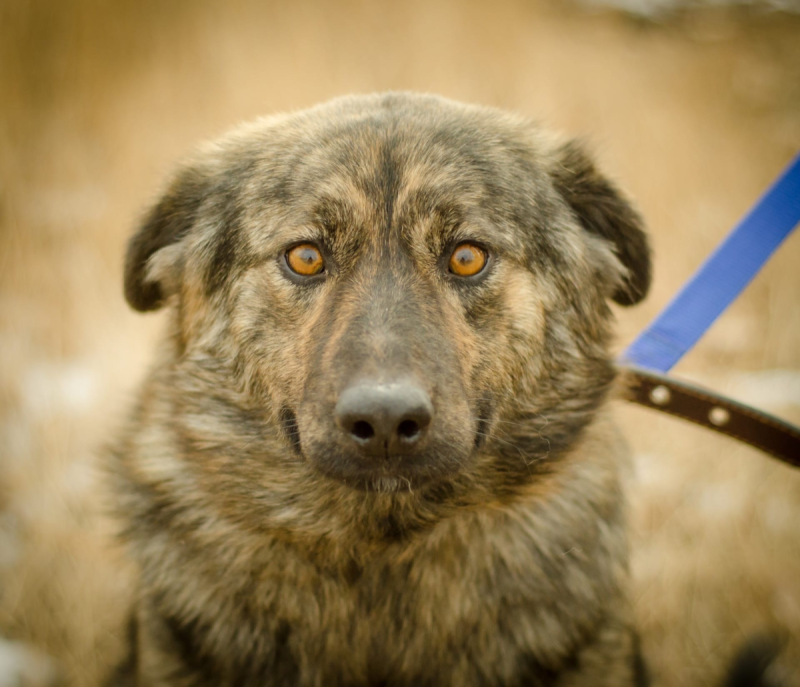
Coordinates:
(362,430)
(384,419)
(408,430)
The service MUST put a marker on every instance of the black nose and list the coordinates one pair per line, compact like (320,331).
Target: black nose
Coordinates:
(384,419)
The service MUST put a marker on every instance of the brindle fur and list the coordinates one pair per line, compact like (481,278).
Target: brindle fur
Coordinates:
(269,554)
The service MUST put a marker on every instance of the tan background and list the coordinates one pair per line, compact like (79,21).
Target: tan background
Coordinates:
(694,116)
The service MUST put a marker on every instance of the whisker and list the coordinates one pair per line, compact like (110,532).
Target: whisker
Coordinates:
(508,443)
(522,424)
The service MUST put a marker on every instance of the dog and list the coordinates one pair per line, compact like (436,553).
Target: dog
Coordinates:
(375,447)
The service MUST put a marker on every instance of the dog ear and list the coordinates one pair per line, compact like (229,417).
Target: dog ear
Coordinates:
(147,288)
(603,211)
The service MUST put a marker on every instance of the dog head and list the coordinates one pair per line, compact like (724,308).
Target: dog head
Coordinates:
(392,294)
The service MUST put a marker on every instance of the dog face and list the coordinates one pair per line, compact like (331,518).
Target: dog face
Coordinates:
(390,295)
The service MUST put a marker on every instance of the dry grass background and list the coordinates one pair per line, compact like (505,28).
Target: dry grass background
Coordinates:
(100,98)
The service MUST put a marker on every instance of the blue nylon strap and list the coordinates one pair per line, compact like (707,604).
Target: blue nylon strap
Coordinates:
(722,277)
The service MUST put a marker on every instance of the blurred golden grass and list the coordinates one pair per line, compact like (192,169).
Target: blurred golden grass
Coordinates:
(100,98)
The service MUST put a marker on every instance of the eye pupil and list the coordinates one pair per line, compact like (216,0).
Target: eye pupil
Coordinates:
(307,255)
(467,260)
(305,260)
(465,256)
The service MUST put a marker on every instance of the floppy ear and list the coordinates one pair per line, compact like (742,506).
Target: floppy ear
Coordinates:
(603,211)
(164,225)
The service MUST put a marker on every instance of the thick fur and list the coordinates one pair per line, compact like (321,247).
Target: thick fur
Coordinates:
(268,553)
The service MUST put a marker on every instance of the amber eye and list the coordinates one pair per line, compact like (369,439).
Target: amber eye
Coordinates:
(305,260)
(467,260)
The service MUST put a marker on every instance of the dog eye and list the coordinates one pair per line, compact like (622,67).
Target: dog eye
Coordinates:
(467,260)
(305,260)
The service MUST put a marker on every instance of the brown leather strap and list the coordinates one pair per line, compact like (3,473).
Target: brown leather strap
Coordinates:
(761,430)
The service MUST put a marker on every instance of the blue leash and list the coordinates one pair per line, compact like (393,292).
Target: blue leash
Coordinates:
(722,277)
(705,296)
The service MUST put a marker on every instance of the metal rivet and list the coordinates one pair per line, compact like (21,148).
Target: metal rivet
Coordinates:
(719,416)
(660,395)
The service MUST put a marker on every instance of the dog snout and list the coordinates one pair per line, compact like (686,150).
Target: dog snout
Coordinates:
(384,419)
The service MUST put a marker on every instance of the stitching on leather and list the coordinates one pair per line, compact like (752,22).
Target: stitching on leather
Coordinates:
(735,409)
(646,384)
(726,432)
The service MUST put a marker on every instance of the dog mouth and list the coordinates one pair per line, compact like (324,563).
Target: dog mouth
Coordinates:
(393,476)
(440,459)
(439,462)
(390,474)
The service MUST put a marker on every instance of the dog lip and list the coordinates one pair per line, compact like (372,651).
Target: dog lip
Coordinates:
(381,482)
(407,477)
